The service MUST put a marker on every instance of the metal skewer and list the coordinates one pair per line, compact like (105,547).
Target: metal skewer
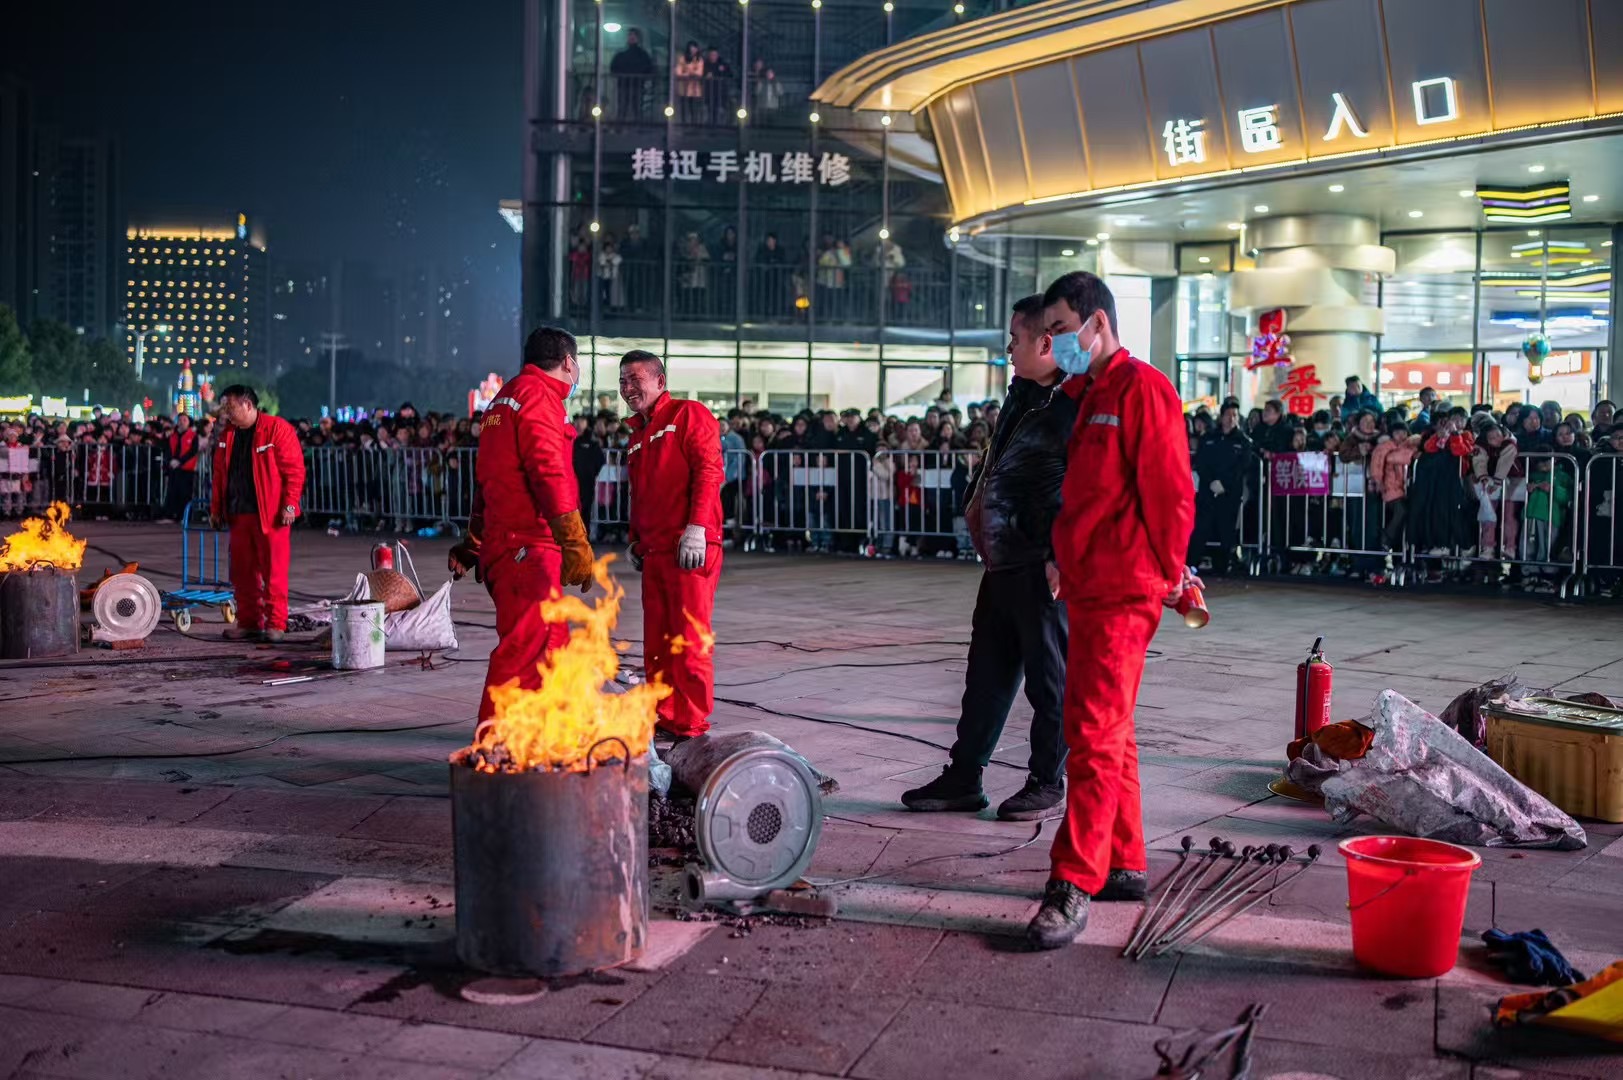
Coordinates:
(1237,881)
(1313,853)
(1168,883)
(1269,859)
(1214,854)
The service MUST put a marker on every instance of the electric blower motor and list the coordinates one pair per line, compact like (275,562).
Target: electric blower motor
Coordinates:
(125,608)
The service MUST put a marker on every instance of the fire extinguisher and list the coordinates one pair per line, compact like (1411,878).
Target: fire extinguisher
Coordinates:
(1314,679)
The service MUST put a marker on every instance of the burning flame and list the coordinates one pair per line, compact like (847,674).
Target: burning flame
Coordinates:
(564,723)
(43,541)
(703,640)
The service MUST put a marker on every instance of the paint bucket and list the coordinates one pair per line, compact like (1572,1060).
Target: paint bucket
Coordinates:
(1407,897)
(357,635)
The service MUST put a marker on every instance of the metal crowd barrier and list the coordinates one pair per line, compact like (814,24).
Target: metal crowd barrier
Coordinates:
(1603,540)
(1348,519)
(820,493)
(918,499)
(99,479)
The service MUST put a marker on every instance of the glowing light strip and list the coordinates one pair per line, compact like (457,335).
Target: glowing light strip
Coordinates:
(1516,194)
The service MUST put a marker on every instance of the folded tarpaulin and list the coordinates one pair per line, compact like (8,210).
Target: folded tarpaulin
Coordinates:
(1593,1007)
(1423,778)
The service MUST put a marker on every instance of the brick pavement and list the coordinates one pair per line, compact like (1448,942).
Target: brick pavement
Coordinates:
(280,904)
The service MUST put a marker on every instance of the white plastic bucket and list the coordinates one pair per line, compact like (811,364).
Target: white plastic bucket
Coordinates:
(357,635)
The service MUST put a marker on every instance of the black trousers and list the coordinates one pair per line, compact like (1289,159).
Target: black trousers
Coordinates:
(1217,517)
(1018,632)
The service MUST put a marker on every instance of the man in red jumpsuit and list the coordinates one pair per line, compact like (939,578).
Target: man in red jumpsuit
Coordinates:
(258,481)
(674,462)
(525,532)
(1127,508)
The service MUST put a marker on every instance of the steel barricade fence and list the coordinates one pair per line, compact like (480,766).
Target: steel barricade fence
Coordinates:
(327,490)
(1229,522)
(814,494)
(926,506)
(1338,514)
(611,495)
(1529,519)
(1603,540)
(460,478)
(738,483)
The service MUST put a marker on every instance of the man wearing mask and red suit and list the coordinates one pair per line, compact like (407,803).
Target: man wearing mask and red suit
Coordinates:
(258,481)
(525,533)
(1126,511)
(674,463)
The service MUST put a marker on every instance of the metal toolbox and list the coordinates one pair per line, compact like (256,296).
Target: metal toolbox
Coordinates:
(1570,753)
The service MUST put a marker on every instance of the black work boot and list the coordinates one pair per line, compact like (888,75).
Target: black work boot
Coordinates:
(1035,800)
(957,788)
(1125,885)
(1063,916)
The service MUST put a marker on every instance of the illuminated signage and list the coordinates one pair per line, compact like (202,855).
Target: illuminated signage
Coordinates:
(1259,129)
(1344,116)
(1184,141)
(757,167)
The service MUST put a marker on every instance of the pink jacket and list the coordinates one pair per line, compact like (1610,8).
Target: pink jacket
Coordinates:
(1389,466)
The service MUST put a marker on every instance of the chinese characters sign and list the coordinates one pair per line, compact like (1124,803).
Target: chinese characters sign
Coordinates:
(1298,387)
(757,167)
(1299,473)
(1436,101)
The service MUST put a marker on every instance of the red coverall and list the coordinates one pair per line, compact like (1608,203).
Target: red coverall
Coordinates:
(259,543)
(674,462)
(525,479)
(1119,544)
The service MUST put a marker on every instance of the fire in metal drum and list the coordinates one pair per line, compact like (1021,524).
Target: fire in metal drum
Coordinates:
(39,613)
(551,868)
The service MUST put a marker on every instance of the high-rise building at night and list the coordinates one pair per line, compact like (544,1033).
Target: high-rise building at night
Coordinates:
(19,244)
(208,284)
(82,232)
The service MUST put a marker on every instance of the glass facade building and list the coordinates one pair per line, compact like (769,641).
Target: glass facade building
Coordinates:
(704,207)
(831,204)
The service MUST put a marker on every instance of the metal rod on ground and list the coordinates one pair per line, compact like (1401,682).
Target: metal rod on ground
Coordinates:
(1243,874)
(1312,857)
(1148,915)
(1213,857)
(1271,864)
(1207,889)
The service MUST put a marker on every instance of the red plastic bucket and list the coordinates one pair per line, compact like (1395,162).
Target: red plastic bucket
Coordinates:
(1407,898)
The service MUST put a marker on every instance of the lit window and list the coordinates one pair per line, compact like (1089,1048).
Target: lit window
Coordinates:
(1415,378)
(1444,378)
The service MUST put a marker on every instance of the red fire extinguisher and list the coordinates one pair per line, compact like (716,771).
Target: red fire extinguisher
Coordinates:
(1314,679)
(382,557)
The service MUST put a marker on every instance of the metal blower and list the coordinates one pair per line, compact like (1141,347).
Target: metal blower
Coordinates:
(124,610)
(757,821)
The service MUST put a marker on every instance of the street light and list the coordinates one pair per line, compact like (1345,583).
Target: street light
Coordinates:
(141,345)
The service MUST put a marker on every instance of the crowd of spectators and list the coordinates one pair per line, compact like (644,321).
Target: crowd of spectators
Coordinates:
(706,84)
(1463,489)
(1474,493)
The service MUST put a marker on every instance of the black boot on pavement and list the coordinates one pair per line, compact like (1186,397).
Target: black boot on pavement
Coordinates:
(1061,919)
(1035,800)
(1125,885)
(957,788)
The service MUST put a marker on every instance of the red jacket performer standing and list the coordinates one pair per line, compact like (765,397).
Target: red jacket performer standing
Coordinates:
(525,533)
(674,462)
(1127,507)
(258,481)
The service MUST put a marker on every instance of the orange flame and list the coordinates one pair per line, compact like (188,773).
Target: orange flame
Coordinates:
(43,540)
(570,721)
(703,639)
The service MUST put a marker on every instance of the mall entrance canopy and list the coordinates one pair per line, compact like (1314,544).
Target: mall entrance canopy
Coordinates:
(1301,133)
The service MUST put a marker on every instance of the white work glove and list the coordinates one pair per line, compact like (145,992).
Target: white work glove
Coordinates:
(1218,488)
(690,551)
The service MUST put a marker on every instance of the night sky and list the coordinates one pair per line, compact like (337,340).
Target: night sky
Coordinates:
(351,129)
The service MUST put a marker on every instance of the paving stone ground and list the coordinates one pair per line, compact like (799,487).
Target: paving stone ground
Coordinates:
(202,876)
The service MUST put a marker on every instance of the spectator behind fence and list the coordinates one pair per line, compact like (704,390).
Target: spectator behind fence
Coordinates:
(633,69)
(689,71)
(1222,462)
(1358,399)
(1389,466)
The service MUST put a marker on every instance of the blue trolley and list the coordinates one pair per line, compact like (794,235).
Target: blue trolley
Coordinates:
(205,572)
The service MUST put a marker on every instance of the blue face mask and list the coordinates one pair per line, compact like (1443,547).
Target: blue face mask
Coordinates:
(1069,355)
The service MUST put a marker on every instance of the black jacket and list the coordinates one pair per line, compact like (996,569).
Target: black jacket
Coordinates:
(1013,497)
(1226,458)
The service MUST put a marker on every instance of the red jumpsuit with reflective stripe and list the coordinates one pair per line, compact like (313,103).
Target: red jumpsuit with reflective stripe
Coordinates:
(674,464)
(1119,543)
(260,549)
(526,478)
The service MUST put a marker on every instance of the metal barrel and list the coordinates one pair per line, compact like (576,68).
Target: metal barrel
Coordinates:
(551,868)
(39,613)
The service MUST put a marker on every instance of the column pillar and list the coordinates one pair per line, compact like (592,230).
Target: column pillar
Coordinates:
(1313,266)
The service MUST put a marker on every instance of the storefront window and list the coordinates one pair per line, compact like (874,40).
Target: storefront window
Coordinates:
(1428,301)
(844,384)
